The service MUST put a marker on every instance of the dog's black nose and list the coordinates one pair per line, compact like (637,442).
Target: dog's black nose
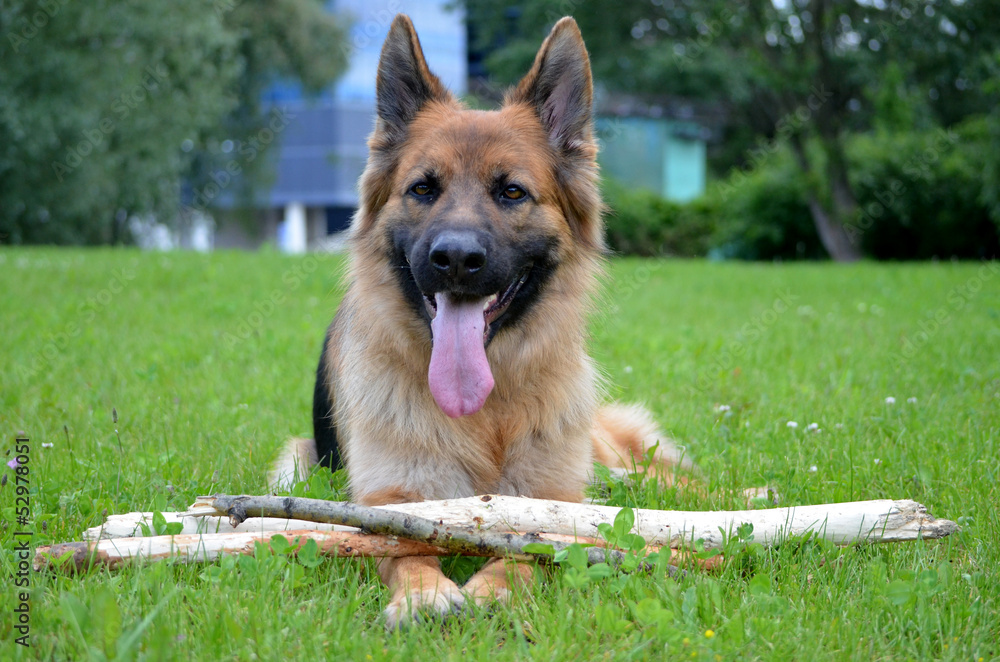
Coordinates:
(457,254)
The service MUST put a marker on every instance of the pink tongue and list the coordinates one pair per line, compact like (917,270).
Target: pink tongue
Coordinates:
(459,375)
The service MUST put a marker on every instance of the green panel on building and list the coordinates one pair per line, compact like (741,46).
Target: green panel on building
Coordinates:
(663,156)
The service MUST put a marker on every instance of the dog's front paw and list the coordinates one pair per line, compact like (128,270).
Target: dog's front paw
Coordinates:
(496,580)
(409,606)
(483,592)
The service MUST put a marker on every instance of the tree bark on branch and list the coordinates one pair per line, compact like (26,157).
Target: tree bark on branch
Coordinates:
(842,523)
(114,553)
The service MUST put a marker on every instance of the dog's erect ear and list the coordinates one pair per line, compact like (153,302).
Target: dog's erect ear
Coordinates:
(560,90)
(404,83)
(559,86)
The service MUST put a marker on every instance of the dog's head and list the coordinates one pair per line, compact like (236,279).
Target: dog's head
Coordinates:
(476,211)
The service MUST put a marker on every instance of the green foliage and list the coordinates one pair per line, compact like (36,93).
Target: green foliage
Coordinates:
(322,484)
(643,223)
(991,168)
(764,214)
(845,67)
(761,214)
(580,573)
(760,61)
(291,41)
(94,105)
(921,195)
(161,527)
(97,98)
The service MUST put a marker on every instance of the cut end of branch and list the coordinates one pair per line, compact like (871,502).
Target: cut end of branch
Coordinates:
(923,524)
(237,514)
(81,556)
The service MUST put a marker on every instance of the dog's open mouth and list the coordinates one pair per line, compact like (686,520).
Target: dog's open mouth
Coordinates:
(459,374)
(493,306)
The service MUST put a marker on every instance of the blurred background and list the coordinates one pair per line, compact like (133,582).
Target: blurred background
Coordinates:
(748,129)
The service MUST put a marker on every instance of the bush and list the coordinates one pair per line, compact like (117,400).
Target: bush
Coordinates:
(642,223)
(764,214)
(922,194)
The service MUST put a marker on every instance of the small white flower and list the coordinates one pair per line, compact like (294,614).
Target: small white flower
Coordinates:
(722,408)
(912,401)
(813,469)
(46,444)
(890,400)
(628,370)
(839,426)
(813,427)
(792,424)
(878,461)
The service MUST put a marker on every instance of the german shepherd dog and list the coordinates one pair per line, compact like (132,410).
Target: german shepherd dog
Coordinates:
(456,364)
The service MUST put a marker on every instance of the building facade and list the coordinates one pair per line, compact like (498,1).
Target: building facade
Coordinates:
(323,150)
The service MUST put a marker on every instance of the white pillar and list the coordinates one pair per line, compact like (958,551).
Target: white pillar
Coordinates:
(292,235)
(202,232)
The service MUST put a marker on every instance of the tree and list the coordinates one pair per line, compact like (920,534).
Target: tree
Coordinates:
(277,40)
(98,98)
(801,72)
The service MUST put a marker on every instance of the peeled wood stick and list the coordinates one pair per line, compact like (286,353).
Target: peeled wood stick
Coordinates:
(874,521)
(193,548)
(458,538)
(842,523)
(128,525)
(187,548)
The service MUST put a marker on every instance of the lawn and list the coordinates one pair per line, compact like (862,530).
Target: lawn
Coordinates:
(207,363)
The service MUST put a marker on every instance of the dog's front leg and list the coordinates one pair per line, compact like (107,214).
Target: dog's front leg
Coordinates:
(417,586)
(416,583)
(497,580)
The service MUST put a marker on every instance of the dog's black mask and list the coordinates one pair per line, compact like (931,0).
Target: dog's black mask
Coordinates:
(472,264)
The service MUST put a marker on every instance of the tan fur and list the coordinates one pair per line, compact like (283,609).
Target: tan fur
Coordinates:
(622,437)
(540,429)
(498,580)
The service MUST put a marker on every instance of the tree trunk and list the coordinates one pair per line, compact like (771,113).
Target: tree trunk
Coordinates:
(831,233)
(830,222)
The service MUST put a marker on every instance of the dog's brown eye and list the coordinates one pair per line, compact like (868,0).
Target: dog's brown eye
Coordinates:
(513,193)
(421,189)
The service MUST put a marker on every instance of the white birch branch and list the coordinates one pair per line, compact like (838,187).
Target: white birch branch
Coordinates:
(463,537)
(841,523)
(844,523)
(475,523)
(199,547)
(206,547)
(128,525)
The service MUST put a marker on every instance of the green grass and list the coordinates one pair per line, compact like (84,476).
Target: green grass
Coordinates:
(208,375)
